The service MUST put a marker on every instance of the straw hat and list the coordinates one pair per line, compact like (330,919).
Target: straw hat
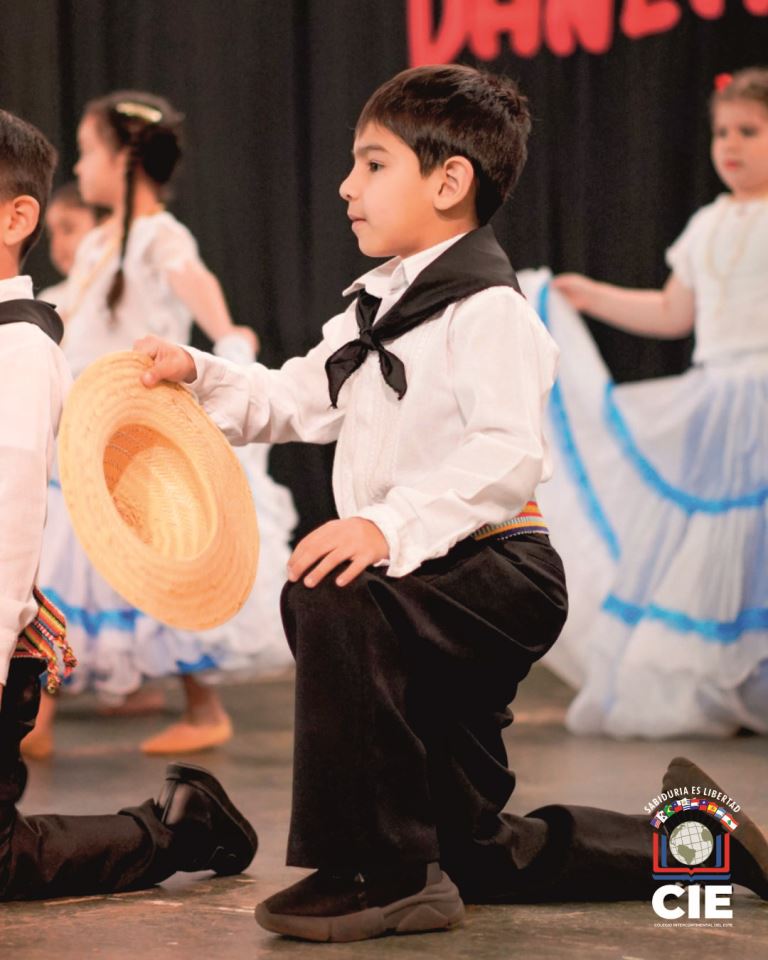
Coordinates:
(157,498)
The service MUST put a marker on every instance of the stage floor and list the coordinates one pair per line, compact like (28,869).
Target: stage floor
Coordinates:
(97,768)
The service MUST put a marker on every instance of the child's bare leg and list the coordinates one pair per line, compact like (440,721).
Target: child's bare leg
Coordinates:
(38,743)
(205,722)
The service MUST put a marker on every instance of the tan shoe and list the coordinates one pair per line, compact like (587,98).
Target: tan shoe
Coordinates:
(187,737)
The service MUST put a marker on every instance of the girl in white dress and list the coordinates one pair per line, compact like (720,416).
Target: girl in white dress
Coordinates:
(660,505)
(140,272)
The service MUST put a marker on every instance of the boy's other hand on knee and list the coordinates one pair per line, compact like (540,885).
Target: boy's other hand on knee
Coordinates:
(171,362)
(357,540)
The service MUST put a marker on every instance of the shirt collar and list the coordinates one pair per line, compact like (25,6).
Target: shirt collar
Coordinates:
(16,288)
(397,274)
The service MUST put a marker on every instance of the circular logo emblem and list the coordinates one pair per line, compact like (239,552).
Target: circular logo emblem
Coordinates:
(691,843)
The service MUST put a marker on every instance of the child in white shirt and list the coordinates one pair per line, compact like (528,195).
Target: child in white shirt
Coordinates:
(414,616)
(193,825)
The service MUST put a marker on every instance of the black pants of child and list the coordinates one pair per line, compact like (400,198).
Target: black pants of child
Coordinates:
(402,687)
(51,856)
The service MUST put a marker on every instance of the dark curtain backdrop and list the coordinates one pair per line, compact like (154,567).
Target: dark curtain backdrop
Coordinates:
(271,90)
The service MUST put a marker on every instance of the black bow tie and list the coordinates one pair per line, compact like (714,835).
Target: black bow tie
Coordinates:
(348,358)
(473,263)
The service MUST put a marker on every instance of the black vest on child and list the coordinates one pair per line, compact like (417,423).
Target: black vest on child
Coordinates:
(33,311)
(473,263)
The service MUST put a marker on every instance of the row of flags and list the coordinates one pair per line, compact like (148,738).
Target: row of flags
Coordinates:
(690,805)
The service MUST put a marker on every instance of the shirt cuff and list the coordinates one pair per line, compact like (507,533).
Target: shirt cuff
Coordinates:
(406,554)
(209,371)
(385,519)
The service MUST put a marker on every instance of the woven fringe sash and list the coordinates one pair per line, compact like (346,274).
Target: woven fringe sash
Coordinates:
(529,520)
(43,636)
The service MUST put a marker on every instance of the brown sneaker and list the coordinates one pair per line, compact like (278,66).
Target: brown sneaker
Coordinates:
(326,906)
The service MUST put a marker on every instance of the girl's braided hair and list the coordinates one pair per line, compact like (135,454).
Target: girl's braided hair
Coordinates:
(149,127)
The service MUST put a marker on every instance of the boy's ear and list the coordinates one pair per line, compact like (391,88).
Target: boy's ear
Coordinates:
(456,182)
(19,219)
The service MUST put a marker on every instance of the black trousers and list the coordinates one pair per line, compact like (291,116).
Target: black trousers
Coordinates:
(52,856)
(401,698)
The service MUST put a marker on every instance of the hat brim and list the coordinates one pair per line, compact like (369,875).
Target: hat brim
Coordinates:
(156,495)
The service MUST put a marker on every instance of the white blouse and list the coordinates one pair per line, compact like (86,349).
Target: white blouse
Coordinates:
(465,445)
(157,244)
(722,255)
(34,379)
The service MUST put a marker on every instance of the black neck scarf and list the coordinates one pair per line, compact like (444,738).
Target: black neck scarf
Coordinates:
(473,263)
(33,311)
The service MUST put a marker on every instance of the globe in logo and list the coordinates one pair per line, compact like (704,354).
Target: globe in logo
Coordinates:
(691,843)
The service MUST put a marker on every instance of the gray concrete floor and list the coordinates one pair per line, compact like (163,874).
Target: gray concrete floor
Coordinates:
(97,768)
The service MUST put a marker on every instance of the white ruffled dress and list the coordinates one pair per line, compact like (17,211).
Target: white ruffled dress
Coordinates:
(659,503)
(116,645)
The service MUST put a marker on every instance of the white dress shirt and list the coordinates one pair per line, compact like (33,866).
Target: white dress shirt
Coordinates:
(463,448)
(34,378)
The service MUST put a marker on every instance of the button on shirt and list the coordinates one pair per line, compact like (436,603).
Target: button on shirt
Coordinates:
(463,448)
(33,381)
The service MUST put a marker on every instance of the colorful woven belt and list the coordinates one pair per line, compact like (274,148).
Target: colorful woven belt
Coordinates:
(45,635)
(529,520)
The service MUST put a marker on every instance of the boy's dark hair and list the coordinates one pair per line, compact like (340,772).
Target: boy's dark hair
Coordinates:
(150,128)
(27,162)
(446,111)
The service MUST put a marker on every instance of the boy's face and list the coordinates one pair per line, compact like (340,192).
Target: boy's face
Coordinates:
(66,225)
(388,200)
(100,170)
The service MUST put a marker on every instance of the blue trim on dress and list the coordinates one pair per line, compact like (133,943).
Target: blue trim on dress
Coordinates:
(206,662)
(648,473)
(94,622)
(571,454)
(718,631)
(631,613)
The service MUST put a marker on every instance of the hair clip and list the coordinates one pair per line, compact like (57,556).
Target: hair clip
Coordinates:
(141,111)
(722,80)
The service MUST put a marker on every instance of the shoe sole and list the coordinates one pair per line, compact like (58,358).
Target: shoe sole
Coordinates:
(436,907)
(223,863)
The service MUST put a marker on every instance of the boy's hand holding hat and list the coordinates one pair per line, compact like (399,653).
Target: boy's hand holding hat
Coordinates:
(170,362)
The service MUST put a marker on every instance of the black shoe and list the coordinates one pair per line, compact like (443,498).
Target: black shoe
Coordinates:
(750,848)
(324,906)
(209,832)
